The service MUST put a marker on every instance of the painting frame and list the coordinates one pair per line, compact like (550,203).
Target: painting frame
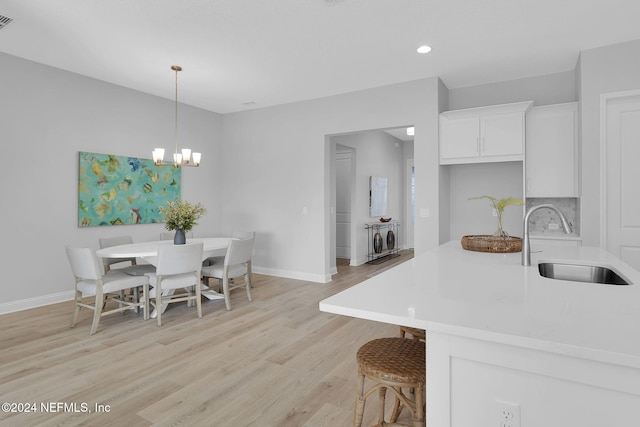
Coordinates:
(123,190)
(377,196)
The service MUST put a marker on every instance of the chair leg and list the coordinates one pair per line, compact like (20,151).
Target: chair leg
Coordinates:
(158,289)
(360,401)
(198,300)
(76,310)
(97,312)
(189,292)
(247,281)
(225,290)
(136,293)
(147,305)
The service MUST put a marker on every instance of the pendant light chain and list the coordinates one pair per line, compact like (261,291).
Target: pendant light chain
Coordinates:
(176,69)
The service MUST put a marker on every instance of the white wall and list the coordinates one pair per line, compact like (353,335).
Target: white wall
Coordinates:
(283,188)
(603,70)
(47,115)
(543,90)
(375,155)
(484,179)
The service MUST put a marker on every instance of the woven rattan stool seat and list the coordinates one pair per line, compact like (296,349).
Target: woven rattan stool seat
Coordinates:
(393,359)
(393,363)
(416,334)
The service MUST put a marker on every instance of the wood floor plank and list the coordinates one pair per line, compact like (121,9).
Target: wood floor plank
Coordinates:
(276,361)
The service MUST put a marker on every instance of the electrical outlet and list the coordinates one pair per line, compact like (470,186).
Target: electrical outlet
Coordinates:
(554,226)
(506,414)
(494,212)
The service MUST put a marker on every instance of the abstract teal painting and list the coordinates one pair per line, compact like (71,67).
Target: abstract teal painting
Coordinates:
(115,190)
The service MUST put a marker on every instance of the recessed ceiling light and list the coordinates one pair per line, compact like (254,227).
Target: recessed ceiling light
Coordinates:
(424,49)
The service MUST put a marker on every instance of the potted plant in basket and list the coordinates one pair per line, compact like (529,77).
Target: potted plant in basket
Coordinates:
(181,216)
(500,241)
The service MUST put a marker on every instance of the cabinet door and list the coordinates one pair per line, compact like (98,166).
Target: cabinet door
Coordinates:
(551,151)
(459,137)
(502,134)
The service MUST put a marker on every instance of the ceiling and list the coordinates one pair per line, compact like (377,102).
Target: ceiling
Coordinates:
(245,54)
(399,133)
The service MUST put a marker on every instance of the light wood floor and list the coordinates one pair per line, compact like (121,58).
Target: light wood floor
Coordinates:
(277,361)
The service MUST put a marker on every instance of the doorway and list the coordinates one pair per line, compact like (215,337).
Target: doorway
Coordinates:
(355,157)
(620,121)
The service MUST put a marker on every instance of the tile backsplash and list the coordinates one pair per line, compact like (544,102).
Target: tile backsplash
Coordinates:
(545,222)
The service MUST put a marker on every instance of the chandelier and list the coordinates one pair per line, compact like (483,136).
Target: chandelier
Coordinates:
(185,157)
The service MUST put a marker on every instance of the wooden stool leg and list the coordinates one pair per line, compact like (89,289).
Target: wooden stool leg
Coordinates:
(418,416)
(360,400)
(382,392)
(396,408)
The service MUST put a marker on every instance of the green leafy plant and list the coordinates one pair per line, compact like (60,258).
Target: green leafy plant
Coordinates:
(182,215)
(499,206)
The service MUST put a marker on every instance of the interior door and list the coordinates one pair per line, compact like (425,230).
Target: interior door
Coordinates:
(621,150)
(343,204)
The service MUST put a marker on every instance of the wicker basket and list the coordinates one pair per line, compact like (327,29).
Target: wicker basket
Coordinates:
(488,243)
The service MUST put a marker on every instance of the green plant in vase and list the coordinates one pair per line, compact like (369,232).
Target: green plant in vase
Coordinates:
(499,206)
(181,216)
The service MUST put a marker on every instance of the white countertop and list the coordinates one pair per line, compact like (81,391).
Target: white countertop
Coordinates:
(492,297)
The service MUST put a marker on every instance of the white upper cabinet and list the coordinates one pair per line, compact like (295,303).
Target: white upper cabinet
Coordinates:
(486,134)
(551,151)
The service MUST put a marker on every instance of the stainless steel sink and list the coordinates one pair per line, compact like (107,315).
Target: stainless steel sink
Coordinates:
(581,273)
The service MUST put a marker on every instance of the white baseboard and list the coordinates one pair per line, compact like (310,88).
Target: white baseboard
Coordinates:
(357,262)
(25,304)
(319,278)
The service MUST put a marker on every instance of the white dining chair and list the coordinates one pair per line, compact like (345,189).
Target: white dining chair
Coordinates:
(91,281)
(125,265)
(130,265)
(237,263)
(235,235)
(178,267)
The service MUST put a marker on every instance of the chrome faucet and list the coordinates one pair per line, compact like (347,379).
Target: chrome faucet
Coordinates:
(526,247)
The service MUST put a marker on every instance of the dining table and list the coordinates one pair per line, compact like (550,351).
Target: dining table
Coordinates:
(148,251)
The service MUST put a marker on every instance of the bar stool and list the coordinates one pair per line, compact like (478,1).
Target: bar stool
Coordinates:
(416,334)
(392,363)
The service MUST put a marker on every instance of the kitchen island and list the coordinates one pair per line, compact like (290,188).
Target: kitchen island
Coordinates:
(557,352)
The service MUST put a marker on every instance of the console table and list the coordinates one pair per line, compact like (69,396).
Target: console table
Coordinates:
(382,241)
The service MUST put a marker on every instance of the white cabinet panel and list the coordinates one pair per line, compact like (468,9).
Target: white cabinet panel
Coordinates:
(502,134)
(551,151)
(482,135)
(461,136)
